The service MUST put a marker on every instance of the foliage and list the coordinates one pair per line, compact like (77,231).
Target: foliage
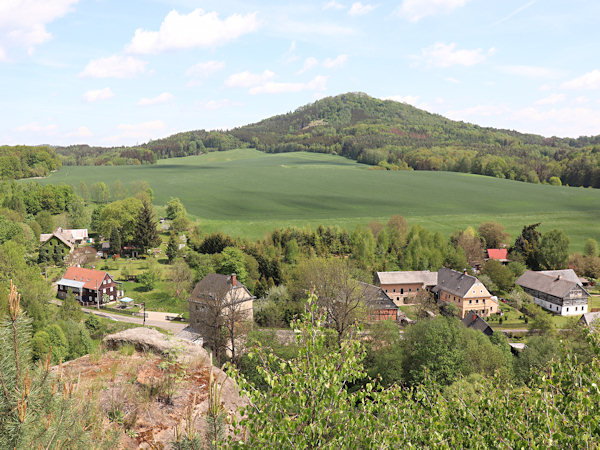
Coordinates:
(172,247)
(493,234)
(308,404)
(70,309)
(24,161)
(175,209)
(500,274)
(145,234)
(554,250)
(37,408)
(233,261)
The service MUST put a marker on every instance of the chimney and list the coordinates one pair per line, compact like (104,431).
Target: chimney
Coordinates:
(233,279)
(558,277)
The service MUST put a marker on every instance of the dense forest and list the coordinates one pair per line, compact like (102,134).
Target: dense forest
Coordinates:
(382,133)
(22,161)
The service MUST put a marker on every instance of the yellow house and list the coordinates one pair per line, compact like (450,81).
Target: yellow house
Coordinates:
(465,292)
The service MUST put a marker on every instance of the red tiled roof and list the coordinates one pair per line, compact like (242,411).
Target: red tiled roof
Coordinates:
(497,253)
(91,277)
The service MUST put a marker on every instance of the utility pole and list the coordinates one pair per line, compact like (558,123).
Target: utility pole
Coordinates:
(144,316)
(97,296)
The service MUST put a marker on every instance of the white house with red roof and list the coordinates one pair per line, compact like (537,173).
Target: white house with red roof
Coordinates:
(90,286)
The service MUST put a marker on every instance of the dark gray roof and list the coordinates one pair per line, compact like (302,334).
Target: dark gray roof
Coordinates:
(472,320)
(456,283)
(567,274)
(556,286)
(376,298)
(215,285)
(591,319)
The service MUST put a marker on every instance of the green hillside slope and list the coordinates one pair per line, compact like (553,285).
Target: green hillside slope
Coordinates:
(247,193)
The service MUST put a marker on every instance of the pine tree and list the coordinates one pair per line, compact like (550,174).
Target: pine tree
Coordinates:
(172,248)
(146,234)
(37,408)
(115,241)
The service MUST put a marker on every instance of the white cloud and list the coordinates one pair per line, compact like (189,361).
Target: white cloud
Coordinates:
(140,131)
(115,66)
(289,55)
(581,100)
(415,10)
(220,104)
(551,99)
(408,99)
(196,29)
(446,55)
(99,94)
(247,79)
(451,80)
(35,127)
(563,122)
(336,62)
(316,84)
(205,69)
(82,131)
(590,80)
(535,72)
(23,22)
(161,98)
(309,63)
(333,5)
(358,9)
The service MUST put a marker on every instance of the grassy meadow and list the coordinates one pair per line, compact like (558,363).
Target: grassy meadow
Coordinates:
(248,193)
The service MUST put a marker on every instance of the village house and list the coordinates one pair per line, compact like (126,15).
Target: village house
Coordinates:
(55,246)
(472,320)
(90,286)
(401,286)
(381,306)
(557,291)
(220,293)
(465,292)
(498,254)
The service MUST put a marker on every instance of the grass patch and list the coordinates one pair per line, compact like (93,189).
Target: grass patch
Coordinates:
(235,191)
(409,310)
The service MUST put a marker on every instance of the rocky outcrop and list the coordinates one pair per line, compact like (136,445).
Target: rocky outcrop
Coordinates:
(150,340)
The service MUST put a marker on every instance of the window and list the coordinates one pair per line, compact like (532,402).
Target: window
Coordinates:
(394,290)
(484,301)
(567,309)
(409,289)
(402,290)
(470,301)
(477,301)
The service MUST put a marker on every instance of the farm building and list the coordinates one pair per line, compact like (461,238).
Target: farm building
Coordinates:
(90,286)
(381,306)
(400,286)
(558,291)
(590,320)
(465,292)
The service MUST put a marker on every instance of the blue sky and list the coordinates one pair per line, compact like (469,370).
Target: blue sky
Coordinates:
(113,72)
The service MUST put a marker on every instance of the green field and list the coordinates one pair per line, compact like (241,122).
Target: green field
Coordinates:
(248,193)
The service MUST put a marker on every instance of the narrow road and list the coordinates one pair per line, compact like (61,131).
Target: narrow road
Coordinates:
(153,318)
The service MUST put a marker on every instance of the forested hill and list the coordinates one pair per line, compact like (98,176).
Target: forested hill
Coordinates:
(395,135)
(382,133)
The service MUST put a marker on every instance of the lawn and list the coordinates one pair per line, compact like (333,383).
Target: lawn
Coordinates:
(248,193)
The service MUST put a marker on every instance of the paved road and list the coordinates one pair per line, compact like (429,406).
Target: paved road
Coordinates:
(153,318)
